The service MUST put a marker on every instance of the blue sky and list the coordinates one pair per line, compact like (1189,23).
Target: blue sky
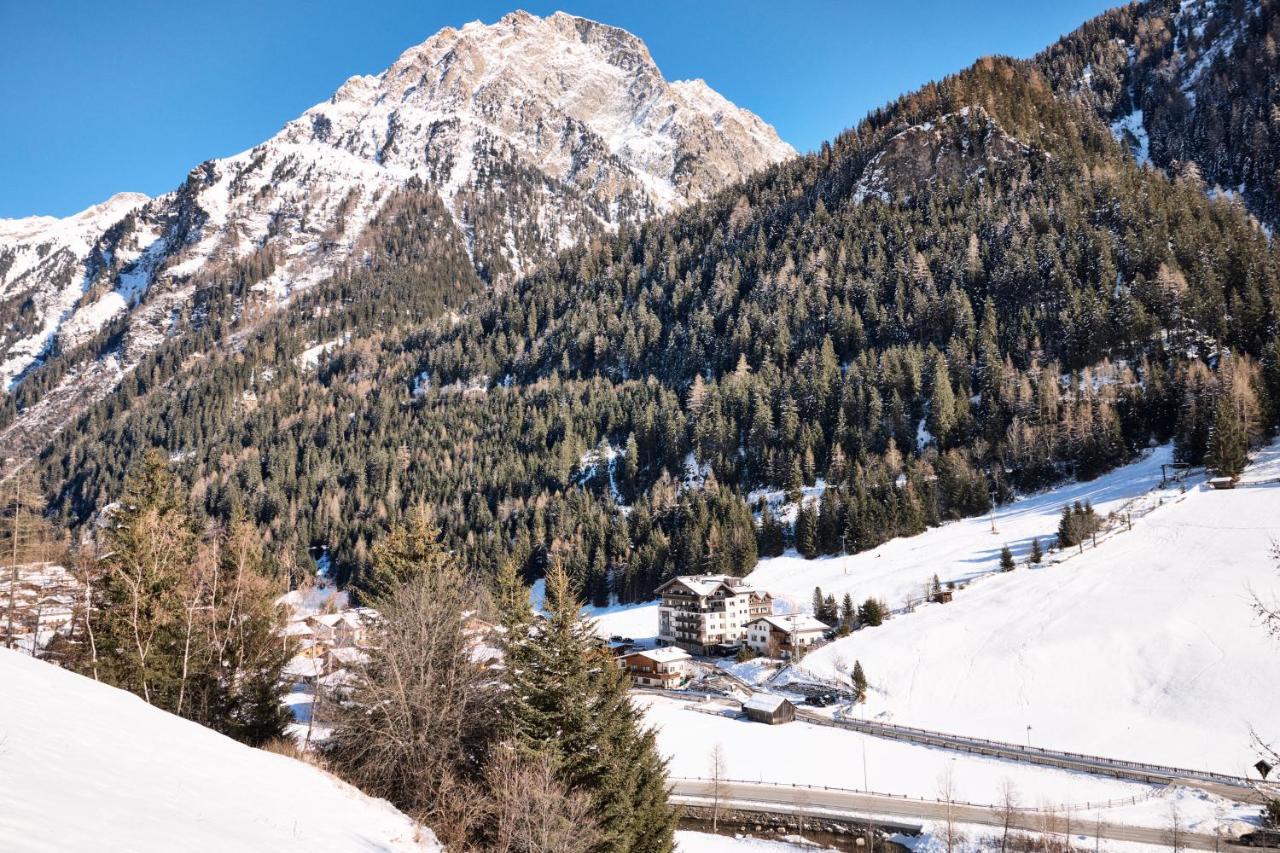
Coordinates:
(100,97)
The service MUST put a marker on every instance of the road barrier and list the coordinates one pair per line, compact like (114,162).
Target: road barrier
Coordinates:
(1036,755)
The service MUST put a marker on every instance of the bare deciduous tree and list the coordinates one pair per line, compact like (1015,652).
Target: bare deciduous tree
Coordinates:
(531,812)
(717,767)
(410,726)
(947,795)
(1008,810)
(1176,839)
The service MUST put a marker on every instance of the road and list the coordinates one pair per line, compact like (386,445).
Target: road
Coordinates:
(766,797)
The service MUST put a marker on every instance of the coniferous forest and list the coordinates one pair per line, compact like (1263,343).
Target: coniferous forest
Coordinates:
(977,290)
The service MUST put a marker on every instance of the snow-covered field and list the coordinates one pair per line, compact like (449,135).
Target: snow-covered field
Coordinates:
(1146,648)
(802,753)
(86,767)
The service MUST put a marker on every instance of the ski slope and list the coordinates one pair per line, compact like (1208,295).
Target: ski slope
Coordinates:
(958,552)
(86,767)
(1146,648)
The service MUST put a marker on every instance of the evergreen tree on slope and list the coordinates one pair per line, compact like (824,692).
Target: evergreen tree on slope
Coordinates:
(565,698)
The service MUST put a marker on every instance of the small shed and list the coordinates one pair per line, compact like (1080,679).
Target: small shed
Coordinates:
(1223,482)
(767,708)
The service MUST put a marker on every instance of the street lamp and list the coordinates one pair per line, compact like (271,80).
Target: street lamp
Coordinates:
(1028,736)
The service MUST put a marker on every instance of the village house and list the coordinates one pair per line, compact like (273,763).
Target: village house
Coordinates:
(667,667)
(704,614)
(782,636)
(346,629)
(768,708)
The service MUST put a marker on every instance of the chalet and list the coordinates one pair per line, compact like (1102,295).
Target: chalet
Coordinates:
(705,613)
(667,667)
(782,636)
(346,629)
(768,708)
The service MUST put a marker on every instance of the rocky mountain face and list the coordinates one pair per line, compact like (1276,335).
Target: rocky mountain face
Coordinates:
(533,133)
(1190,86)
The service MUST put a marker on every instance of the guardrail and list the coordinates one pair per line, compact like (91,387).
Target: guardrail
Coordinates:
(1039,755)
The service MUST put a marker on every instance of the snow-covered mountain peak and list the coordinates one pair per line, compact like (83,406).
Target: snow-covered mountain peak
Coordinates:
(535,133)
(537,86)
(94,218)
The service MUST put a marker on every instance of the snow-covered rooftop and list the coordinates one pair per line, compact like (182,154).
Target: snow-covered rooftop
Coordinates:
(667,654)
(707,584)
(794,622)
(767,702)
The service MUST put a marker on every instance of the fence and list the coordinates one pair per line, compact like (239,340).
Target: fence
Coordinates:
(1037,755)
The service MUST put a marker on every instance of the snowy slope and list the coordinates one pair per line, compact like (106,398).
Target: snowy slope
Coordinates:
(962,551)
(1146,648)
(55,255)
(85,767)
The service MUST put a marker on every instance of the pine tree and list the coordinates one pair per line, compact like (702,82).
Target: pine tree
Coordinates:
(818,603)
(828,524)
(1066,529)
(406,550)
(630,475)
(942,403)
(848,614)
(859,682)
(829,611)
(807,532)
(1228,439)
(772,536)
(1006,559)
(871,613)
(565,698)
(139,613)
(1036,554)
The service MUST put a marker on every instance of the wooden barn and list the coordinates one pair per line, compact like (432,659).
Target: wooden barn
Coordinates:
(767,708)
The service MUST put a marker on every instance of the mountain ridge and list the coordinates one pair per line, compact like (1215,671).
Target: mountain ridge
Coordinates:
(610,144)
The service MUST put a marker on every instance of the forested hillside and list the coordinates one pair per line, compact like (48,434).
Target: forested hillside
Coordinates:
(977,289)
(1191,86)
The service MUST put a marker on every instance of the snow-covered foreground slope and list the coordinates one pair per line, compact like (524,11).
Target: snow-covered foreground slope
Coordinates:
(85,767)
(1146,648)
